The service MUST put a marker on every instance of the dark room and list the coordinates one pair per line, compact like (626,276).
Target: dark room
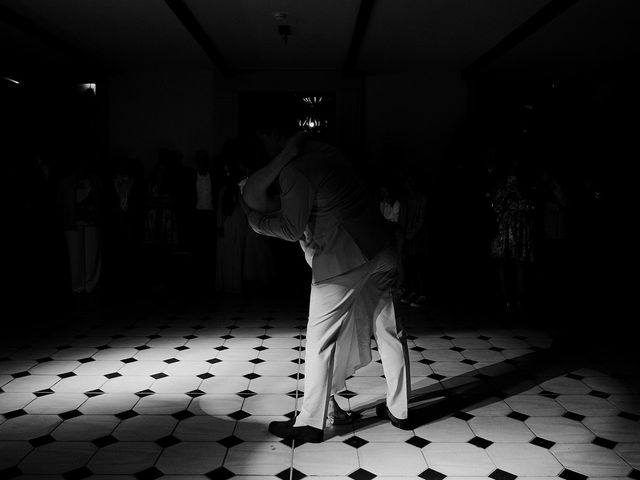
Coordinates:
(338,239)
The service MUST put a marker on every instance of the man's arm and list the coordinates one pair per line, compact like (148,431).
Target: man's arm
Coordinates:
(296,202)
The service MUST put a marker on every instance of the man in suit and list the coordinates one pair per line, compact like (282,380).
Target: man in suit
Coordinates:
(354,268)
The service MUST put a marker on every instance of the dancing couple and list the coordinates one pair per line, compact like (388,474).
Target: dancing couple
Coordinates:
(322,205)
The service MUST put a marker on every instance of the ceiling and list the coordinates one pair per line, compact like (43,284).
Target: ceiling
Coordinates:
(349,35)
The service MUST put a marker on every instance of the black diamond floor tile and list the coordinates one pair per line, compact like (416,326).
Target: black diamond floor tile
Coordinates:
(355,441)
(463,416)
(498,474)
(196,393)
(417,441)
(518,416)
(629,416)
(290,473)
(220,474)
(105,441)
(40,441)
(183,415)
(480,442)
(599,394)
(78,474)
(239,415)
(70,414)
(151,473)
(94,393)
(11,472)
(542,442)
(145,393)
(14,414)
(127,414)
(571,475)
(362,474)
(42,393)
(230,441)
(603,442)
(573,416)
(430,474)
(168,441)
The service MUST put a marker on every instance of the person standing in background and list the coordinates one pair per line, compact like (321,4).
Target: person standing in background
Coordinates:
(203,235)
(82,214)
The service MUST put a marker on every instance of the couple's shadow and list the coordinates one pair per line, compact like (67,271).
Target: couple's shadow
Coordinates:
(455,395)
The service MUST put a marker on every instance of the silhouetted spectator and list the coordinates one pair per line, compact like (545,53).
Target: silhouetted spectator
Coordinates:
(415,244)
(513,242)
(81,203)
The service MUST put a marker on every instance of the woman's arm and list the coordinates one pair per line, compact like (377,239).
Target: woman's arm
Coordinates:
(254,191)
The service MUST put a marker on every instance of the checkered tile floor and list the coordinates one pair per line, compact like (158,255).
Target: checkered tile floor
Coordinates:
(189,394)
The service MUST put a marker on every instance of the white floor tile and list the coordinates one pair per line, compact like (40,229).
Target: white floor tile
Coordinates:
(374,457)
(204,429)
(560,430)
(268,404)
(145,428)
(58,457)
(15,401)
(216,404)
(524,460)
(536,405)
(330,459)
(458,459)
(258,458)
(12,452)
(162,404)
(31,383)
(56,403)
(590,460)
(111,403)
(124,457)
(502,430)
(617,429)
(449,430)
(587,405)
(222,384)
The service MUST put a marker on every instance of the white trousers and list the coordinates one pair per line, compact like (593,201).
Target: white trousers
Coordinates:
(85,257)
(343,312)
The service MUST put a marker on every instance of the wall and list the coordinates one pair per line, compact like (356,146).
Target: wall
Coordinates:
(153,110)
(348,99)
(412,116)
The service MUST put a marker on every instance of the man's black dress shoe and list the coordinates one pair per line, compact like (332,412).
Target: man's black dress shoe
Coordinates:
(286,430)
(383,412)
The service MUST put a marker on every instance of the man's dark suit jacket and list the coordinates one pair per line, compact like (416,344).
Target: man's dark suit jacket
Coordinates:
(320,192)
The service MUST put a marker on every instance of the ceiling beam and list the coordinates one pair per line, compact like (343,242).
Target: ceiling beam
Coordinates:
(42,35)
(192,25)
(359,31)
(528,28)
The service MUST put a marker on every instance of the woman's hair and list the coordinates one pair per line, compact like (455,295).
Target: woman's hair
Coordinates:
(281,119)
